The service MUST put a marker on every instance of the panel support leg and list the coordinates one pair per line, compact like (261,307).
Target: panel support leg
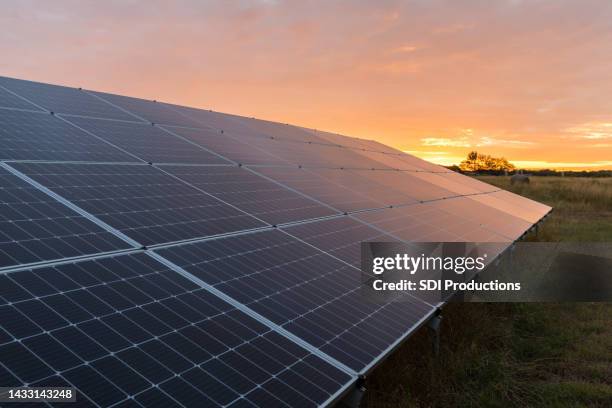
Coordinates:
(353,398)
(434,326)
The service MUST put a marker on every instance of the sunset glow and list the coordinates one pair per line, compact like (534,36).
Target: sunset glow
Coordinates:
(530,81)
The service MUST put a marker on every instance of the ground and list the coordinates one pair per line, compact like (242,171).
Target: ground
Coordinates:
(527,355)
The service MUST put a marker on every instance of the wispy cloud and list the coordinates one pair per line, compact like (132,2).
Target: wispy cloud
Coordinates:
(592,130)
(468,139)
(447,142)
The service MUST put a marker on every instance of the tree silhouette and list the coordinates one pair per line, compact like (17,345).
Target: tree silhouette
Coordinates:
(477,162)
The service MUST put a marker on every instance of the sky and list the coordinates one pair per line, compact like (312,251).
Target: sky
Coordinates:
(527,80)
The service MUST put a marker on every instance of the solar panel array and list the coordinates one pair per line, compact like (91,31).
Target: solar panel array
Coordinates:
(160,255)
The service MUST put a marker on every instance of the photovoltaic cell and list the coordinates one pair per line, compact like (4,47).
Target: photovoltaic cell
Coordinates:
(316,155)
(340,237)
(147,142)
(312,295)
(216,121)
(8,100)
(405,183)
(34,227)
(516,205)
(429,223)
(155,112)
(325,189)
(133,330)
(281,131)
(484,215)
(39,136)
(228,146)
(447,183)
(251,193)
(141,201)
(367,187)
(392,161)
(61,99)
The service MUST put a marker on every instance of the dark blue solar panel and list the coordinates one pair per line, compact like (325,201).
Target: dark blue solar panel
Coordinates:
(340,237)
(251,193)
(369,188)
(230,147)
(39,136)
(328,190)
(151,336)
(61,99)
(34,227)
(147,142)
(151,111)
(307,292)
(8,100)
(144,203)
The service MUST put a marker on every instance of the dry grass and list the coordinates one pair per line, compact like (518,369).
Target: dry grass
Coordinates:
(527,355)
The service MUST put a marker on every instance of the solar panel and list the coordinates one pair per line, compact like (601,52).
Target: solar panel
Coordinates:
(34,227)
(251,193)
(501,222)
(312,295)
(141,201)
(325,189)
(149,143)
(405,183)
(340,237)
(127,328)
(516,205)
(61,99)
(316,155)
(228,146)
(151,111)
(233,125)
(429,222)
(372,189)
(159,255)
(39,136)
(8,100)
(280,131)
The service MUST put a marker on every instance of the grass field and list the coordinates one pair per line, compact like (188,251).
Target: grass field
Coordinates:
(519,355)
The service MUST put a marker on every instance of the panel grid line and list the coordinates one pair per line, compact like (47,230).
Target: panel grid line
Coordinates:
(250,312)
(132,345)
(70,205)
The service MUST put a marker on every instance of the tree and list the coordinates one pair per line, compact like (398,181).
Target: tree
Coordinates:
(484,162)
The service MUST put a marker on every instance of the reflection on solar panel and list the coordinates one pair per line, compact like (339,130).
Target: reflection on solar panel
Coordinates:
(147,142)
(325,189)
(300,288)
(340,237)
(34,227)
(141,201)
(228,146)
(39,136)
(129,328)
(150,111)
(9,100)
(61,99)
(429,223)
(251,193)
(159,255)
